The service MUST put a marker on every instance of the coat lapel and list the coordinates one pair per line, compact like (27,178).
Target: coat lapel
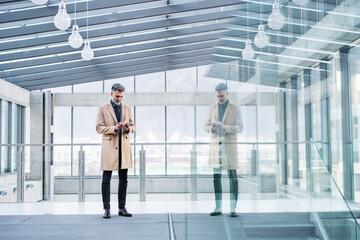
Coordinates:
(111,110)
(227,111)
(216,112)
(122,113)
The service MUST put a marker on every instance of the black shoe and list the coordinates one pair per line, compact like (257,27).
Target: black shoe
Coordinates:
(215,213)
(107,213)
(233,214)
(124,212)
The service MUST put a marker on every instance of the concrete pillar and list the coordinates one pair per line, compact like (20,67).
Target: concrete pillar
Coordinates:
(281,137)
(292,126)
(36,135)
(348,171)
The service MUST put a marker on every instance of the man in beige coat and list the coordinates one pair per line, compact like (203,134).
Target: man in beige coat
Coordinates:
(115,123)
(224,122)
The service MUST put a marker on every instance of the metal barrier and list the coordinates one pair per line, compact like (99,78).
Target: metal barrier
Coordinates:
(81,175)
(142,193)
(142,164)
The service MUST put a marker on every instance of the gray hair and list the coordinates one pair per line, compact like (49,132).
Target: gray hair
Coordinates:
(117,87)
(221,87)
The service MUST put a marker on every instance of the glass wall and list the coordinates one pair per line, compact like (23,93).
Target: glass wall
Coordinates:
(170,135)
(11,132)
(354,74)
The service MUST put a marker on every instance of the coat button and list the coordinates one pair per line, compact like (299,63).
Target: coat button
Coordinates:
(115,147)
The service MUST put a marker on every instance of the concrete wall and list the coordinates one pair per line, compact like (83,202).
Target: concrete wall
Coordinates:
(13,93)
(31,194)
(69,185)
(161,99)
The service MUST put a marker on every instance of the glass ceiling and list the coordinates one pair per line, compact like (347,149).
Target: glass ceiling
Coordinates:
(131,37)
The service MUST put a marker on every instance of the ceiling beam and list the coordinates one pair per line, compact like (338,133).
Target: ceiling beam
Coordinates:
(118,17)
(49,53)
(62,37)
(98,67)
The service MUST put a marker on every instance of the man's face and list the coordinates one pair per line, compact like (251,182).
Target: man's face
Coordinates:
(117,96)
(222,96)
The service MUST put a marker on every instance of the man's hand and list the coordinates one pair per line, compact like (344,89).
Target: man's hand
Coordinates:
(219,124)
(119,125)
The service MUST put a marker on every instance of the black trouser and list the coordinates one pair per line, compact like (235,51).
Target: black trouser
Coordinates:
(234,188)
(105,188)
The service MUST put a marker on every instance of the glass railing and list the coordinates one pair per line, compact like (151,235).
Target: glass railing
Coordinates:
(329,204)
(306,194)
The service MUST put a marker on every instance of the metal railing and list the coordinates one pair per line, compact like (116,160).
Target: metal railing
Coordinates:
(142,163)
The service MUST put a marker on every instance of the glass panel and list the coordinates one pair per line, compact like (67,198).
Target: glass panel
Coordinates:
(201,118)
(62,160)
(179,159)
(85,125)
(92,160)
(155,159)
(153,82)
(62,125)
(266,125)
(202,159)
(62,134)
(150,124)
(246,158)
(354,73)
(127,82)
(89,87)
(267,158)
(334,212)
(206,83)
(180,124)
(6,151)
(249,124)
(183,80)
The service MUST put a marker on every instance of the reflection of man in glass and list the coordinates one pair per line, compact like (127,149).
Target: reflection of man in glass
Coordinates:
(115,123)
(224,122)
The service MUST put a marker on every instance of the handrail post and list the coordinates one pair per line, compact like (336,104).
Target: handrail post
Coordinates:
(193,160)
(142,172)
(254,162)
(20,174)
(81,175)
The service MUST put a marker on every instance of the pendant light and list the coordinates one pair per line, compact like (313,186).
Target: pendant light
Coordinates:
(261,40)
(62,20)
(75,39)
(276,19)
(248,53)
(39,2)
(87,53)
(300,2)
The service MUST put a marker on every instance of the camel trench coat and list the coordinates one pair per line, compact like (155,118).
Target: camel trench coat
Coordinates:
(233,124)
(105,125)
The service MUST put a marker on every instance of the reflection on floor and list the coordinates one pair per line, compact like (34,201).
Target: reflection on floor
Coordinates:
(180,226)
(172,203)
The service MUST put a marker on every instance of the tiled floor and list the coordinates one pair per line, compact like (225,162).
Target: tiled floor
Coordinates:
(170,203)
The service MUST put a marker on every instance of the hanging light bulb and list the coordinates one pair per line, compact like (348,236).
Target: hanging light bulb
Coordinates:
(39,2)
(75,39)
(62,20)
(276,19)
(87,53)
(248,53)
(300,2)
(261,40)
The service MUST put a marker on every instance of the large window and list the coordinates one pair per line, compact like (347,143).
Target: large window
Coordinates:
(171,135)
(11,132)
